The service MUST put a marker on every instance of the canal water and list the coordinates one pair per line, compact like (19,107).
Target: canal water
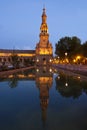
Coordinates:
(43,99)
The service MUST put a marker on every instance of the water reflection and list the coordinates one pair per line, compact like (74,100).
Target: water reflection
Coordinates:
(43,77)
(66,85)
(28,105)
(44,80)
(13,80)
(69,86)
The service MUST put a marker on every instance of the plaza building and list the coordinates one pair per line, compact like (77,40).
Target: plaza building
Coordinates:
(43,53)
(6,55)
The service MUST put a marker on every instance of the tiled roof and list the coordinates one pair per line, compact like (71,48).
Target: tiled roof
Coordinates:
(16,51)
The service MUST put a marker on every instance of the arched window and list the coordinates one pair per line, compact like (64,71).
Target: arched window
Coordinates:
(44,59)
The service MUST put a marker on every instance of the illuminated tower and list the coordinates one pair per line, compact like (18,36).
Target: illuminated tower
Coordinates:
(44,50)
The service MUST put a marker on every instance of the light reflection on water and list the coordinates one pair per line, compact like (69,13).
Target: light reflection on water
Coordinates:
(39,99)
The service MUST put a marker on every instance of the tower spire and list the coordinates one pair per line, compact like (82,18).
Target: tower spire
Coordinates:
(44,27)
(44,11)
(43,6)
(44,17)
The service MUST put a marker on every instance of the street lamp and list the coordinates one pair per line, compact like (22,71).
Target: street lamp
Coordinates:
(66,56)
(66,53)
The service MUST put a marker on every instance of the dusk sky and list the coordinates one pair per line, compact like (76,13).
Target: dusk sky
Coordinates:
(20,21)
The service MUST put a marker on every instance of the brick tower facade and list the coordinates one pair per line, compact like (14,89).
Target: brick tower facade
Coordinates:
(44,49)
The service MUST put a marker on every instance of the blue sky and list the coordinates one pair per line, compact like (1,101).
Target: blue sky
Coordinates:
(20,21)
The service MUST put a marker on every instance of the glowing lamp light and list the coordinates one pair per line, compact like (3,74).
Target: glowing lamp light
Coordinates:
(58,77)
(50,60)
(78,77)
(37,70)
(78,57)
(74,60)
(66,84)
(50,70)
(37,60)
(65,53)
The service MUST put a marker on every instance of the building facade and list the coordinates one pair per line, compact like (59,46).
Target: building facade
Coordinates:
(6,56)
(42,54)
(44,50)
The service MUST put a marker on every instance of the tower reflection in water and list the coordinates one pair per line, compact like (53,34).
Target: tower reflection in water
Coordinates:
(43,77)
(44,80)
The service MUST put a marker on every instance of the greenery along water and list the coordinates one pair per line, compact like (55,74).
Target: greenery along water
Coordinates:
(42,100)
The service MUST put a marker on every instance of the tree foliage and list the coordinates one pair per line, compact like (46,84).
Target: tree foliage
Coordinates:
(84,49)
(71,45)
(29,62)
(15,60)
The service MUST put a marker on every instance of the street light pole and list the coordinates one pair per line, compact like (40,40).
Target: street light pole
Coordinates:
(66,56)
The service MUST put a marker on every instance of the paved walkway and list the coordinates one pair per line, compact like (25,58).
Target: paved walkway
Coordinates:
(79,69)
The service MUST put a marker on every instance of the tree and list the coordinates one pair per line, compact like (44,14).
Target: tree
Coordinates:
(71,45)
(84,49)
(15,60)
(29,62)
(74,88)
(62,47)
(75,47)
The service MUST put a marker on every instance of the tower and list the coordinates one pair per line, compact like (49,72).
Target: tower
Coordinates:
(44,50)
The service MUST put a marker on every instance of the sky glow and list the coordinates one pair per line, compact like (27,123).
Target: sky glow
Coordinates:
(20,21)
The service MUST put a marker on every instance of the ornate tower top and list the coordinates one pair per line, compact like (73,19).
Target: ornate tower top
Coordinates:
(44,27)
(44,16)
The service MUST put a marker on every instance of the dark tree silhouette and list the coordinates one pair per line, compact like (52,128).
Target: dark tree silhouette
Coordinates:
(84,49)
(71,45)
(15,60)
